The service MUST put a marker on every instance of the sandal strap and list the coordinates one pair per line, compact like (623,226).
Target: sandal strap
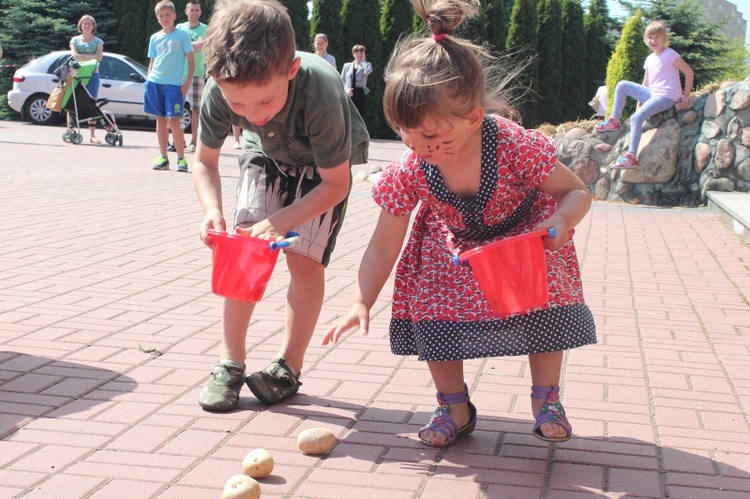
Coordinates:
(454,398)
(553,412)
(441,421)
(544,392)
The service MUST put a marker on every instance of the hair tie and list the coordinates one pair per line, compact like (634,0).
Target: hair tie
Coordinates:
(439,37)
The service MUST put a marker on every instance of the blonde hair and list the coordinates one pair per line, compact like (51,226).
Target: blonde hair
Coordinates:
(249,41)
(656,28)
(440,76)
(165,4)
(86,17)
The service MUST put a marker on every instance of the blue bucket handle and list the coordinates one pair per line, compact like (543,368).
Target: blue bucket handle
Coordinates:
(291,238)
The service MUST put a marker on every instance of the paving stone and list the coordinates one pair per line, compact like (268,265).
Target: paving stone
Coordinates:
(658,406)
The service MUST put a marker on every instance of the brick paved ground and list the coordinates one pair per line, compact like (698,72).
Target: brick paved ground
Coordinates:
(99,259)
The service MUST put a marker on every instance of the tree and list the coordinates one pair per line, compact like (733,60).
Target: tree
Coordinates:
(627,60)
(736,61)
(496,24)
(598,47)
(357,16)
(522,43)
(550,64)
(574,59)
(396,21)
(474,28)
(326,18)
(132,35)
(507,8)
(34,28)
(300,14)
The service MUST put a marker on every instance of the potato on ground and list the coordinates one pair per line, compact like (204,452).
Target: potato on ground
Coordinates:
(316,441)
(241,487)
(258,463)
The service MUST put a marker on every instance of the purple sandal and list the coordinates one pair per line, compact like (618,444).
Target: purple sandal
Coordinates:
(441,421)
(552,412)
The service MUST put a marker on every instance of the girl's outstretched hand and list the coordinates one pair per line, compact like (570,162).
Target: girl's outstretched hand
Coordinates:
(357,315)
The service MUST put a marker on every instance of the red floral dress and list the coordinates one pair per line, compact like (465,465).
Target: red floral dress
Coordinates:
(439,312)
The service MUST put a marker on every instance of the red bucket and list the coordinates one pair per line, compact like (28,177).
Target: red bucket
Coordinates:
(512,273)
(242,266)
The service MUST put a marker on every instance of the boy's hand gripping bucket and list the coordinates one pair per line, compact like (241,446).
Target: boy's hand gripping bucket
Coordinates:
(512,272)
(242,265)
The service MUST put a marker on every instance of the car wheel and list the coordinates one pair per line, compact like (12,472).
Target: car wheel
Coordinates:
(37,112)
(187,118)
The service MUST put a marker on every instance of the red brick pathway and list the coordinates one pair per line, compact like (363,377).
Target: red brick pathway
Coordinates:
(100,259)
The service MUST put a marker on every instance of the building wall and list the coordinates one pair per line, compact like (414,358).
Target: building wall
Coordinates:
(717,10)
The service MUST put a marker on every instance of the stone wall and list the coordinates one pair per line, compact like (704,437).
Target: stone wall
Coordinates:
(684,152)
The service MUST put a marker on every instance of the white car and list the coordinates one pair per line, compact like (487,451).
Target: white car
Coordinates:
(121,82)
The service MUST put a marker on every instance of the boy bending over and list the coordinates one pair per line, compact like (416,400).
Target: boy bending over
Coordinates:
(301,135)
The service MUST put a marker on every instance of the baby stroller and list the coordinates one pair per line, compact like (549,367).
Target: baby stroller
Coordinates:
(80,106)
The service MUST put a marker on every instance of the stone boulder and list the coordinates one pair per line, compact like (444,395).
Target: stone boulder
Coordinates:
(714,105)
(657,155)
(684,153)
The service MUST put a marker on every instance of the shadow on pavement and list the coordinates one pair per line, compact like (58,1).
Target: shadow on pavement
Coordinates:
(32,387)
(502,453)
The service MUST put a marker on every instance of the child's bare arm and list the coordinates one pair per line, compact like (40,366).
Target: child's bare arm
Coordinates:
(683,66)
(573,202)
(191,69)
(333,188)
(207,183)
(380,256)
(99,52)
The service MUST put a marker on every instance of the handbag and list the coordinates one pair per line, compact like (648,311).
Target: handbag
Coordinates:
(54,102)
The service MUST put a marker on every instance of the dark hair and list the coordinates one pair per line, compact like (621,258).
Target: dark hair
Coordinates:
(440,75)
(249,41)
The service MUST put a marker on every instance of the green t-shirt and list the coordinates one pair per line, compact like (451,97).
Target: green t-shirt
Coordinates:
(317,126)
(195,33)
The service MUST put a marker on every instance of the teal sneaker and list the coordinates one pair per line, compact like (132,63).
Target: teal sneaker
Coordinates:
(275,383)
(160,163)
(182,165)
(222,391)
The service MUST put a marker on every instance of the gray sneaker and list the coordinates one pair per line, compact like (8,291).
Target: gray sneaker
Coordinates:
(222,392)
(275,383)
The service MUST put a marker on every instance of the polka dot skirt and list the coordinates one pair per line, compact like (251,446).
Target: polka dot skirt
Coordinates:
(439,312)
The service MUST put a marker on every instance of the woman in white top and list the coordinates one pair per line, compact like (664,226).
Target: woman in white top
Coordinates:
(87,47)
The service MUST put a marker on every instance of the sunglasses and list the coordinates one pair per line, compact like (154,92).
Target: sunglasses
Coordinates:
(358,50)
